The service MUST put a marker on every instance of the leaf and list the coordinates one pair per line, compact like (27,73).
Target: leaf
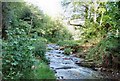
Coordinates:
(15,63)
(31,47)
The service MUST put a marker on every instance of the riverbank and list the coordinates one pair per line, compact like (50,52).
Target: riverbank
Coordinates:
(111,73)
(66,67)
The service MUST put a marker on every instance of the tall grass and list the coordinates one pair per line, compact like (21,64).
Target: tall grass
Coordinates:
(40,71)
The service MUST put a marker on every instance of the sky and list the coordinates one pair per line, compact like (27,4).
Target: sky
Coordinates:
(50,7)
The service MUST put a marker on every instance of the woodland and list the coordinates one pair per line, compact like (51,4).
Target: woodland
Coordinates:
(26,31)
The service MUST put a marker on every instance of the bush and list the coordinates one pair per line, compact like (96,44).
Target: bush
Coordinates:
(40,71)
(17,57)
(67,51)
(18,54)
(40,47)
(103,48)
(19,48)
(68,43)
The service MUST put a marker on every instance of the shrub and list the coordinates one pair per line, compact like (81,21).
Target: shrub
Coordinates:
(17,57)
(103,48)
(19,48)
(68,43)
(40,71)
(67,51)
(74,45)
(17,52)
(40,47)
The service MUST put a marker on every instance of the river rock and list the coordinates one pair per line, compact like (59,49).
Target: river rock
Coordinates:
(87,64)
(65,67)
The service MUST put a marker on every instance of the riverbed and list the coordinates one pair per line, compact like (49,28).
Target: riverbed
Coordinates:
(65,66)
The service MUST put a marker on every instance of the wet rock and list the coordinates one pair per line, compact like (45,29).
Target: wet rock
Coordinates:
(72,55)
(52,67)
(87,64)
(103,69)
(56,48)
(48,63)
(66,58)
(90,60)
(61,77)
(55,71)
(58,55)
(65,67)
(76,60)
(97,69)
(61,48)
(49,54)
(110,70)
(59,52)
(117,73)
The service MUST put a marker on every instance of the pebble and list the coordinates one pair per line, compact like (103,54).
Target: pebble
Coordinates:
(112,72)
(58,55)
(52,67)
(117,73)
(66,58)
(61,77)
(49,54)
(55,71)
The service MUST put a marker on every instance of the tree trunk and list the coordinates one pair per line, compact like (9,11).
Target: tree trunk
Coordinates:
(101,18)
(4,21)
(95,11)
(95,17)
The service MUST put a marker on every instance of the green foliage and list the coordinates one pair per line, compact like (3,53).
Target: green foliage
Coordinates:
(17,55)
(52,30)
(26,30)
(97,52)
(110,32)
(21,44)
(101,29)
(40,71)
(90,31)
(18,51)
(70,46)
(40,47)
(67,51)
(104,47)
(68,43)
(44,72)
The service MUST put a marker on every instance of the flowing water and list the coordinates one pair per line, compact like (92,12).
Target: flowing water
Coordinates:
(65,67)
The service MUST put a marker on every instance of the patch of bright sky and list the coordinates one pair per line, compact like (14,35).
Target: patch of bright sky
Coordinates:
(51,7)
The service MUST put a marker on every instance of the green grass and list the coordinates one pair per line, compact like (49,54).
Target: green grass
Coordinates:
(67,51)
(41,71)
(68,43)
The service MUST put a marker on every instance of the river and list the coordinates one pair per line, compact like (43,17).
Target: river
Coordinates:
(65,66)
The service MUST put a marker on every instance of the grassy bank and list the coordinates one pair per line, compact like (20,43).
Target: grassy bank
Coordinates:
(40,71)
